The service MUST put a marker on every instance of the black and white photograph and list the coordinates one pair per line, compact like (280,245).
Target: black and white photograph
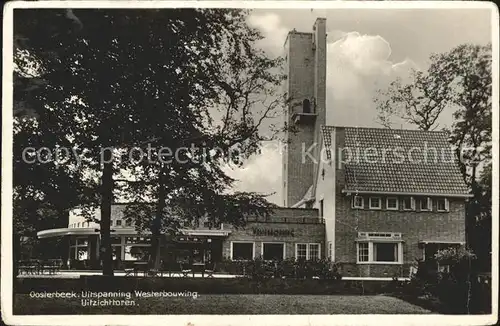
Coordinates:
(281,162)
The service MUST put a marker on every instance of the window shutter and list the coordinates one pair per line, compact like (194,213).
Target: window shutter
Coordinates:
(412,200)
(446,204)
(429,203)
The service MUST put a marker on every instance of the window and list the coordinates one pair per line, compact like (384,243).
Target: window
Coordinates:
(362,251)
(78,224)
(116,251)
(380,252)
(379,248)
(306,106)
(273,251)
(79,249)
(136,252)
(392,203)
(358,202)
(242,250)
(385,252)
(314,251)
(138,240)
(425,204)
(431,249)
(307,251)
(116,248)
(136,248)
(118,222)
(128,222)
(443,205)
(321,207)
(301,251)
(330,247)
(375,203)
(408,203)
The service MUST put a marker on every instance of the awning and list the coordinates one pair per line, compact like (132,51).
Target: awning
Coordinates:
(208,233)
(123,231)
(83,231)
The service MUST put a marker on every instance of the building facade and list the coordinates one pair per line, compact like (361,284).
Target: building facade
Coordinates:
(387,197)
(287,233)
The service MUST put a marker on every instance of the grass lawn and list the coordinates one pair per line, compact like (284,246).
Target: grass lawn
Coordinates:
(227,304)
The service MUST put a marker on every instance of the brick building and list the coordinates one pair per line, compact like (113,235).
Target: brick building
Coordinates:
(287,233)
(372,200)
(387,197)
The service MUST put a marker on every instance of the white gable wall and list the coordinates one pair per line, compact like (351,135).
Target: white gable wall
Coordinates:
(325,190)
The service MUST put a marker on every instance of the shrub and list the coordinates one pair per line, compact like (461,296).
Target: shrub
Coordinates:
(453,286)
(260,269)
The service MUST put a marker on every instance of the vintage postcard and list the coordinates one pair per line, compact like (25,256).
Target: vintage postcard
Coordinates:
(255,162)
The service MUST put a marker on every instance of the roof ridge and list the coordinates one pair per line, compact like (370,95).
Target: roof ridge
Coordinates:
(375,128)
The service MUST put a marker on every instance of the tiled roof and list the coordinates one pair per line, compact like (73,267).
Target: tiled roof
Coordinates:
(389,160)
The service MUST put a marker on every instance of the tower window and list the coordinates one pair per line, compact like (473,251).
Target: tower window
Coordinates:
(306,106)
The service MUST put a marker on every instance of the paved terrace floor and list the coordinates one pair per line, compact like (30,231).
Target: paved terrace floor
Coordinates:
(78,273)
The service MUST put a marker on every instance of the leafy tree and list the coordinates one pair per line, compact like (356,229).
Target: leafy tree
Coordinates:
(107,81)
(419,102)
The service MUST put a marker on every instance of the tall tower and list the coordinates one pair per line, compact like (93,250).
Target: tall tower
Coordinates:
(305,55)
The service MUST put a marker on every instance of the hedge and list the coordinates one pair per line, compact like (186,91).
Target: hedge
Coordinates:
(203,285)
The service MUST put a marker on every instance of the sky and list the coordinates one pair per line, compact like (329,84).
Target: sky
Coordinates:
(366,49)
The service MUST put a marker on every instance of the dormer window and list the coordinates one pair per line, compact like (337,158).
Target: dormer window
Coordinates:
(375,203)
(392,203)
(306,106)
(425,204)
(443,205)
(408,204)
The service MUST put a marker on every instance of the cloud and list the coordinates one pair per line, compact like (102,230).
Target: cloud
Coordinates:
(272,30)
(365,54)
(261,173)
(357,66)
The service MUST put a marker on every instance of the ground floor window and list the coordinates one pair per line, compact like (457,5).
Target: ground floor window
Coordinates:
(307,251)
(273,251)
(430,251)
(385,252)
(137,248)
(130,248)
(363,252)
(136,252)
(116,251)
(242,250)
(380,252)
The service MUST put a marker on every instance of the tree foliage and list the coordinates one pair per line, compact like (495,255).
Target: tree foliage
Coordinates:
(418,102)
(105,81)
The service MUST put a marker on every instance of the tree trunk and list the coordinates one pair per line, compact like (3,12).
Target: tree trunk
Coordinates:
(155,260)
(106,201)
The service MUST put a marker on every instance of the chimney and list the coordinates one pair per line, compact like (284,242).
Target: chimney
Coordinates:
(319,48)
